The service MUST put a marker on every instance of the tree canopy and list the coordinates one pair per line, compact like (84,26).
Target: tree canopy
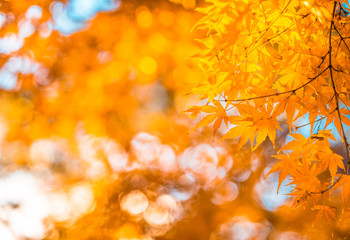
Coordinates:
(215,119)
(271,63)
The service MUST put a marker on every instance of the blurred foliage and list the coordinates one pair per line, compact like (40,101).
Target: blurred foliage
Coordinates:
(95,140)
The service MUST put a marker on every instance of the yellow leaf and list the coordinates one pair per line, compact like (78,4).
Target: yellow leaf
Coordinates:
(285,165)
(205,121)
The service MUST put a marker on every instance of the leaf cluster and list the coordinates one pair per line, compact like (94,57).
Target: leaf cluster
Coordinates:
(281,62)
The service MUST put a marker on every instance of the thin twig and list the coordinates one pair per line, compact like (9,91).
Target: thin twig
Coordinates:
(297,127)
(277,94)
(341,37)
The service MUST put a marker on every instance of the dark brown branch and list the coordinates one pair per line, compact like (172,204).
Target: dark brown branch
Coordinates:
(331,69)
(334,87)
(341,37)
(323,58)
(277,94)
(330,187)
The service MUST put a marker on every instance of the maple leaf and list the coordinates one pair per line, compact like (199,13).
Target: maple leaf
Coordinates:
(330,160)
(344,184)
(217,114)
(298,143)
(195,110)
(285,166)
(258,123)
(334,117)
(279,68)
(345,114)
(326,213)
(290,106)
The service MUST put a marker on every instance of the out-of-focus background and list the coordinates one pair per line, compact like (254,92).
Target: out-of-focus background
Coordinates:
(94,140)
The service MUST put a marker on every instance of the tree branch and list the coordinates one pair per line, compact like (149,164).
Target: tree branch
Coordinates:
(334,86)
(277,94)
